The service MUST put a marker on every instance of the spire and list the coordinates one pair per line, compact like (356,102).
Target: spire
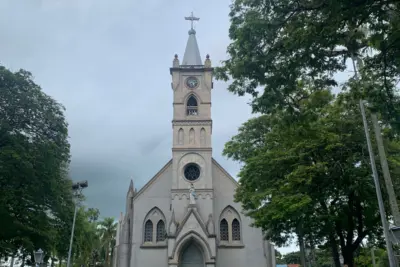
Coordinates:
(192,53)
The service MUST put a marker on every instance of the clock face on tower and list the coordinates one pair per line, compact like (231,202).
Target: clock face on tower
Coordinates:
(192,82)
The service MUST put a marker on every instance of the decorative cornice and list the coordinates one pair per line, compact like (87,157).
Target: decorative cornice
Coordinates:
(229,245)
(191,69)
(191,149)
(204,190)
(154,246)
(181,103)
(191,122)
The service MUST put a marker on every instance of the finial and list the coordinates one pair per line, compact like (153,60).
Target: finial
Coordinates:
(192,18)
(207,62)
(175,63)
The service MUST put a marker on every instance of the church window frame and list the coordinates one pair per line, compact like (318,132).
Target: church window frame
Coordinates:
(234,225)
(158,235)
(160,231)
(224,230)
(192,172)
(192,105)
(148,231)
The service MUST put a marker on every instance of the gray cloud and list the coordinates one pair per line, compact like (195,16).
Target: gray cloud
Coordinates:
(108,63)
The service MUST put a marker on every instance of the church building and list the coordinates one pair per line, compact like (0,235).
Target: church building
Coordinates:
(185,216)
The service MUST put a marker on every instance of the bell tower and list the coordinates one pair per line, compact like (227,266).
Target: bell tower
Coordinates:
(192,124)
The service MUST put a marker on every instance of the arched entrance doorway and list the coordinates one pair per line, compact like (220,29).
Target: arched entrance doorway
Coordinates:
(191,256)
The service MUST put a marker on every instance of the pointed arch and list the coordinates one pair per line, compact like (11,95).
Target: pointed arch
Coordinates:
(181,137)
(152,225)
(235,230)
(191,255)
(191,136)
(230,225)
(192,105)
(160,234)
(190,238)
(148,231)
(203,137)
(223,230)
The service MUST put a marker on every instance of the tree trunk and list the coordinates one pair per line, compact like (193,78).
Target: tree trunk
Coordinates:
(334,250)
(302,250)
(107,256)
(348,256)
(12,261)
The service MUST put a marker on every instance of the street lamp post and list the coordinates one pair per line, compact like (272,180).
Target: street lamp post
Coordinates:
(77,189)
(38,256)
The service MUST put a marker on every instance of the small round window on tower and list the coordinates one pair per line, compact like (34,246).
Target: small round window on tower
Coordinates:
(192,172)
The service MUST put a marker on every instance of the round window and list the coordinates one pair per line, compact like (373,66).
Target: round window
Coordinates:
(192,172)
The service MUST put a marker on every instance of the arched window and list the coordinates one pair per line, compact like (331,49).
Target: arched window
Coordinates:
(148,231)
(154,228)
(230,228)
(160,236)
(191,106)
(223,230)
(235,230)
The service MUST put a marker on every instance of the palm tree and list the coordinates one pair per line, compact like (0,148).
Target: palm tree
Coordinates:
(108,230)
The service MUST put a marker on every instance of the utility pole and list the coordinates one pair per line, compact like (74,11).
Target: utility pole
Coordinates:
(385,224)
(392,260)
(386,173)
(373,257)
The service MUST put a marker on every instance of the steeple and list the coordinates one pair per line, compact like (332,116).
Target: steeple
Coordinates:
(192,53)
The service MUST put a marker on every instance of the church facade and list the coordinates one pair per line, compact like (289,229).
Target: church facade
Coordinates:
(185,216)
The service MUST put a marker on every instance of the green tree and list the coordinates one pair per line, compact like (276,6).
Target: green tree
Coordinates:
(108,230)
(292,258)
(276,44)
(35,198)
(309,171)
(87,241)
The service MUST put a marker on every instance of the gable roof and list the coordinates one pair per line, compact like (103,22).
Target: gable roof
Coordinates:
(169,163)
(225,172)
(187,216)
(152,180)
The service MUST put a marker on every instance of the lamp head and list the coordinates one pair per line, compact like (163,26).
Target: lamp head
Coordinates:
(395,234)
(38,255)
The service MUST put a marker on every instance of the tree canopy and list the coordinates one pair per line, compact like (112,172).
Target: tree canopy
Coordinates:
(36,200)
(275,44)
(306,168)
(35,197)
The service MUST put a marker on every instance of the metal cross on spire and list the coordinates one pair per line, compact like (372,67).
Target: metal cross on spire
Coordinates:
(192,18)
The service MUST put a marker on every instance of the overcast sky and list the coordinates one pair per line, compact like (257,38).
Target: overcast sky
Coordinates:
(107,62)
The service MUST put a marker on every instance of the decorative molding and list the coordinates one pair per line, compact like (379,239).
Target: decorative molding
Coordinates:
(190,149)
(190,69)
(183,194)
(182,103)
(231,246)
(198,190)
(191,122)
(154,246)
